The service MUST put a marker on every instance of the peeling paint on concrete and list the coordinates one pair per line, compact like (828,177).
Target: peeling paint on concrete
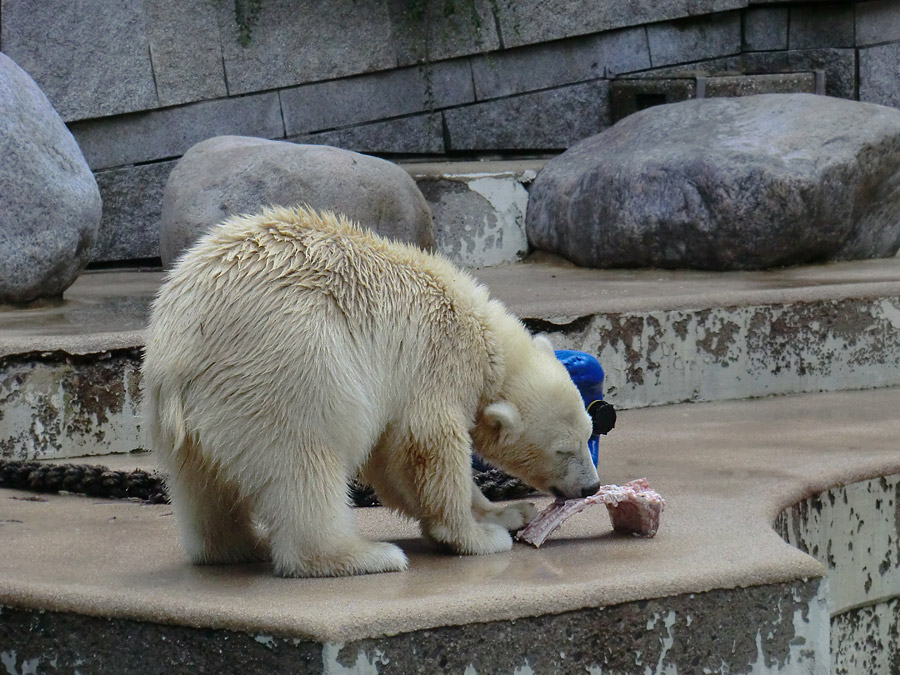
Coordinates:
(56,405)
(364,665)
(854,531)
(789,634)
(724,353)
(479,218)
(867,640)
(266,640)
(9,661)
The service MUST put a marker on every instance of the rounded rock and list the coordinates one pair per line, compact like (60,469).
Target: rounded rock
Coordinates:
(726,184)
(231,175)
(50,205)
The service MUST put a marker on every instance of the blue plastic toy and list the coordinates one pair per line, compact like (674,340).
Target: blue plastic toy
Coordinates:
(587,374)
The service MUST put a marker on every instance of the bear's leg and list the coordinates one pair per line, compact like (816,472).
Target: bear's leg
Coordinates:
(312,529)
(442,479)
(214,522)
(513,516)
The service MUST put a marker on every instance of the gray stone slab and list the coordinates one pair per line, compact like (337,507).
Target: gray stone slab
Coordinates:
(684,633)
(815,26)
(839,66)
(878,68)
(694,39)
(765,29)
(750,85)
(339,103)
(877,21)
(629,95)
(185,50)
(415,135)
(546,120)
(702,68)
(530,21)
(562,62)
(432,31)
(163,134)
(299,41)
(90,58)
(132,203)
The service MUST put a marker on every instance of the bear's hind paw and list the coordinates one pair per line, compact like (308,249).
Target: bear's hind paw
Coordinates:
(372,557)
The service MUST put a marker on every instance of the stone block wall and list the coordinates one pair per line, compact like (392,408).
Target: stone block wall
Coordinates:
(140,81)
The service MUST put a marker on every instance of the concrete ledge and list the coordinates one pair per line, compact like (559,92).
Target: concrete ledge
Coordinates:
(727,470)
(684,631)
(666,336)
(71,386)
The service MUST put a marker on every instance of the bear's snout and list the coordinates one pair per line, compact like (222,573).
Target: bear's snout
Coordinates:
(590,490)
(580,479)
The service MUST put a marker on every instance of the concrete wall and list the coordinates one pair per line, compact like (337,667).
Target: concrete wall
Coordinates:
(140,81)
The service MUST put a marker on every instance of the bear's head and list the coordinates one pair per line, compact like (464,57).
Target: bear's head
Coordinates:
(537,428)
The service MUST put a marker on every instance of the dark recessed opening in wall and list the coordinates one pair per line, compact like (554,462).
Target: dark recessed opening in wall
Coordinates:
(644,101)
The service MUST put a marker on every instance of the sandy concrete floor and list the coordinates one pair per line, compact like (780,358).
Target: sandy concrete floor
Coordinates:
(726,469)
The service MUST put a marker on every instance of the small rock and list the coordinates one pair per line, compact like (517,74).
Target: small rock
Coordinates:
(49,201)
(229,175)
(726,184)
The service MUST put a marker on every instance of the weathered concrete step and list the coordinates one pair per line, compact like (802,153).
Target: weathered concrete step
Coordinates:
(718,590)
(666,336)
(69,373)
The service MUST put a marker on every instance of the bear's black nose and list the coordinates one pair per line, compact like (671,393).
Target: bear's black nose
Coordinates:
(591,490)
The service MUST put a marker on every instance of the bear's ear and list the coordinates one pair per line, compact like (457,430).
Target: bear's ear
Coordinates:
(543,342)
(504,418)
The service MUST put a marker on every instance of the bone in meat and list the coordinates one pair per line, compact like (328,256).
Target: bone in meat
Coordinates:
(633,508)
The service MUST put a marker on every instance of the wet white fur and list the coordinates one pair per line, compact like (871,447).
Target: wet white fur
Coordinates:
(290,351)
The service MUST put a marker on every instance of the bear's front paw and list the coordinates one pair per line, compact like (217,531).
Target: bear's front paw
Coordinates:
(481,539)
(511,516)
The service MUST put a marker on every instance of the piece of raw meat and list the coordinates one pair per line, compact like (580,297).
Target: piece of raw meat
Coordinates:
(633,508)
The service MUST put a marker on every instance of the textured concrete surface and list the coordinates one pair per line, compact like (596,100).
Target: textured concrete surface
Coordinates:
(62,405)
(726,469)
(683,632)
(854,531)
(478,208)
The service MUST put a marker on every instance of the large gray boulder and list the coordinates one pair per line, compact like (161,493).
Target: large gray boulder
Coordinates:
(49,202)
(229,175)
(725,184)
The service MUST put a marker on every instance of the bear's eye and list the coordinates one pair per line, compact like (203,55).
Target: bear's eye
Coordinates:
(563,449)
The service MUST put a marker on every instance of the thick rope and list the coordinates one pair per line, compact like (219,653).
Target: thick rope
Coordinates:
(100,481)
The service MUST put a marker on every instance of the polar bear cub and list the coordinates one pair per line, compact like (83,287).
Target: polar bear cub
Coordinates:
(290,351)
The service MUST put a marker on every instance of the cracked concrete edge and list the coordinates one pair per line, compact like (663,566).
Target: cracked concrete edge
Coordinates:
(75,345)
(788,628)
